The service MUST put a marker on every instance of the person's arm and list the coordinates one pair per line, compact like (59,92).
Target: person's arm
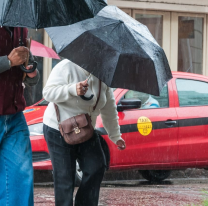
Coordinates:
(32,81)
(58,87)
(4,64)
(109,117)
(16,57)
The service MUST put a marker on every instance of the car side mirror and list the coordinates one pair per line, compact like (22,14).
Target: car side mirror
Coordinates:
(126,104)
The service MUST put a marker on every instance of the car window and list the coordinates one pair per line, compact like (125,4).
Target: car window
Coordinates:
(43,103)
(150,101)
(192,92)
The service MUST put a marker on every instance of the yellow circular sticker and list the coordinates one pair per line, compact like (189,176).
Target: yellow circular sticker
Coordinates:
(144,126)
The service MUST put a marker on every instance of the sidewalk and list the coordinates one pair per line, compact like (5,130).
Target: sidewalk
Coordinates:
(177,192)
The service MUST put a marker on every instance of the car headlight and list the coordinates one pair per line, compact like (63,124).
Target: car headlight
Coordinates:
(36,129)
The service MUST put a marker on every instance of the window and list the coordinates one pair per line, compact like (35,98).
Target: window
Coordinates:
(150,101)
(43,103)
(154,24)
(192,92)
(190,44)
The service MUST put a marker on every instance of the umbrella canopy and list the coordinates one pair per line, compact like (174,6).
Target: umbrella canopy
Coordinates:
(41,14)
(41,50)
(115,48)
(38,14)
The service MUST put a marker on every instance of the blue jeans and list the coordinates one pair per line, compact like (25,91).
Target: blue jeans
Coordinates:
(16,171)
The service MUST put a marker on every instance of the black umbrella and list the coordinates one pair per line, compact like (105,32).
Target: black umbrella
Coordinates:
(117,49)
(38,14)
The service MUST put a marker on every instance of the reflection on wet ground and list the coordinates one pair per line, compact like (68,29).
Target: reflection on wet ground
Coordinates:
(177,192)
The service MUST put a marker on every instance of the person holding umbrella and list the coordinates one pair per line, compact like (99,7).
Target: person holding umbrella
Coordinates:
(34,14)
(65,86)
(115,48)
(16,171)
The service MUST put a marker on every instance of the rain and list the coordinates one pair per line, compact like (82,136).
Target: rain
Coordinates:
(103,103)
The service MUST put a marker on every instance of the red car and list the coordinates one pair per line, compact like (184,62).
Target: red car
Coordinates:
(167,132)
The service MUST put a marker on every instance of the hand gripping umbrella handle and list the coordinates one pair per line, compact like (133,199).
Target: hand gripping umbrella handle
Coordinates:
(87,98)
(22,67)
(91,96)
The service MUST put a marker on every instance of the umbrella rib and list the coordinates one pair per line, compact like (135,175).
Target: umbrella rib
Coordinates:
(65,49)
(117,24)
(148,40)
(138,43)
(89,32)
(104,25)
(104,42)
(114,27)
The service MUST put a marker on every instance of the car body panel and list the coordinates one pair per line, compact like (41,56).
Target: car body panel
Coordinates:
(166,147)
(193,128)
(43,165)
(161,145)
(34,114)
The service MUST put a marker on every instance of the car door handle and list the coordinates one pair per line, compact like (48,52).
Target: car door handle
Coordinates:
(170,123)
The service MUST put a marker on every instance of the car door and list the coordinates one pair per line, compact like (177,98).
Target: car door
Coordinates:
(150,132)
(192,110)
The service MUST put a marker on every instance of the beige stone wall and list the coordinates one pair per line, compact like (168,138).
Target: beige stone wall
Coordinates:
(188,6)
(181,2)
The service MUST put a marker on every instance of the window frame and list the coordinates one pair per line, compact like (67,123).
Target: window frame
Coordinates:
(127,11)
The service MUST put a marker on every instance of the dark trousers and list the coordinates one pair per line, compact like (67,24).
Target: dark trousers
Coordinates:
(91,161)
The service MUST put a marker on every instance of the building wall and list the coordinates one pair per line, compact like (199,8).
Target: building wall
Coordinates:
(180,2)
(165,5)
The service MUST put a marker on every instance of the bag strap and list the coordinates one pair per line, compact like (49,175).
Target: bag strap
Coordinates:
(57,110)
(98,96)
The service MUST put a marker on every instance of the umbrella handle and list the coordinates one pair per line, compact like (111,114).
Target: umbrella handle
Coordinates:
(22,67)
(87,98)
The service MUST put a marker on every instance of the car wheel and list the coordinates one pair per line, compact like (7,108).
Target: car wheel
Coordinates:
(78,176)
(155,175)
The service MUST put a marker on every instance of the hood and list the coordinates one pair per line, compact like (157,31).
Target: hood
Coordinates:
(34,114)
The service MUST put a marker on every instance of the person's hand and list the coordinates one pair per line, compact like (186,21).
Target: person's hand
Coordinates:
(33,74)
(82,87)
(121,144)
(18,56)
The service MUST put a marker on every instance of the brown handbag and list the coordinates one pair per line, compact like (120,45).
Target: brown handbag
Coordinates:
(77,129)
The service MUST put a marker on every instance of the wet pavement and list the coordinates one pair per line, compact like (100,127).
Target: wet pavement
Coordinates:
(173,192)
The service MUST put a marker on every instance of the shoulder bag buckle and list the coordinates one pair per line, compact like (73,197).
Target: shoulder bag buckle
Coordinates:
(76,130)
